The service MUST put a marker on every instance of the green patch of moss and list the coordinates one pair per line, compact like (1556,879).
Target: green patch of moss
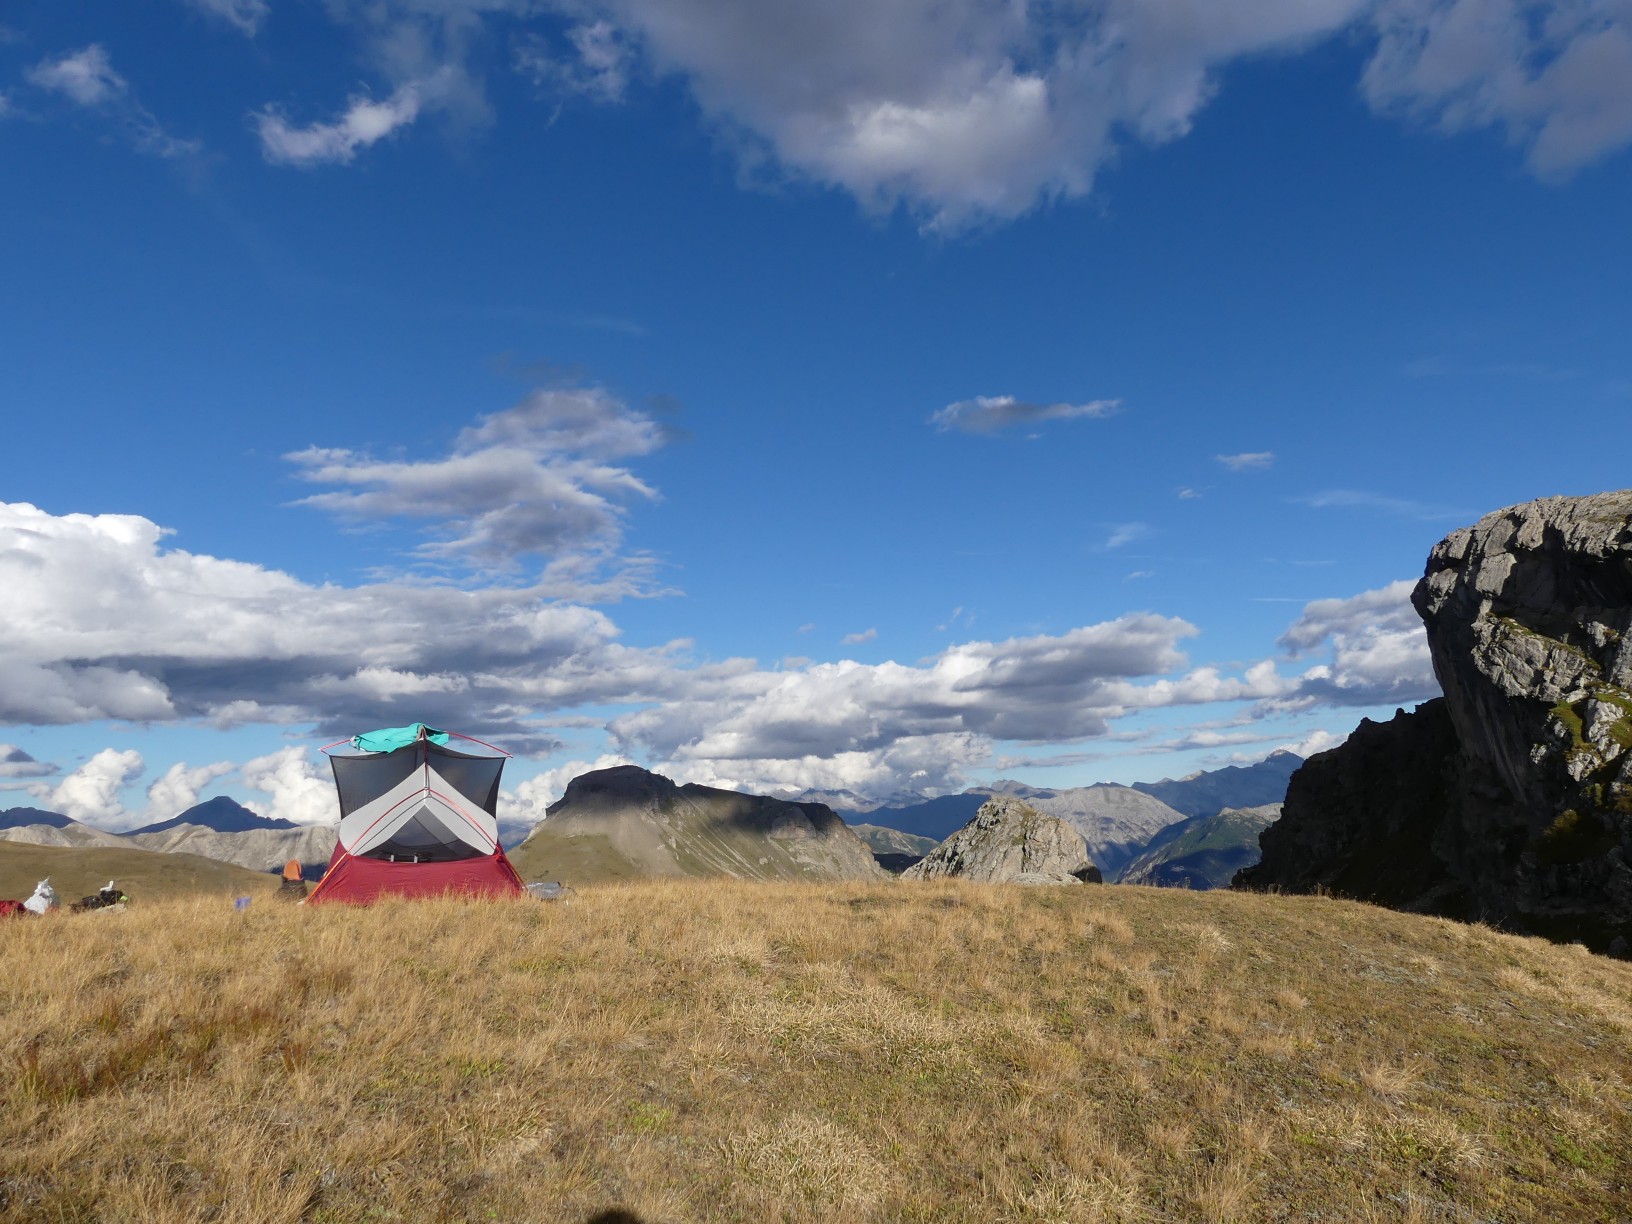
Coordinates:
(1570,719)
(1572,838)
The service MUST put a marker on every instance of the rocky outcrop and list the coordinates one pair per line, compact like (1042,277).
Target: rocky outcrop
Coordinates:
(1509,799)
(627,822)
(1010,841)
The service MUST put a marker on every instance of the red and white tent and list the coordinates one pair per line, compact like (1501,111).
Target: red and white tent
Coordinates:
(418,818)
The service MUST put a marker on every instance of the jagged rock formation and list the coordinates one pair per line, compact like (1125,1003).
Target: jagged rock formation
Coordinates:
(1203,852)
(1510,799)
(1117,822)
(626,822)
(1010,841)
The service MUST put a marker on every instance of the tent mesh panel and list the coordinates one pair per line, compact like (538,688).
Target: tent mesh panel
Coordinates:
(424,838)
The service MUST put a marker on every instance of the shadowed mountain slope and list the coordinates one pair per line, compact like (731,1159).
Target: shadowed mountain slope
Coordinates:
(1234,786)
(1203,852)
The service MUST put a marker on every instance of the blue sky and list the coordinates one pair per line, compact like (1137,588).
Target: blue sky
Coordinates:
(881,398)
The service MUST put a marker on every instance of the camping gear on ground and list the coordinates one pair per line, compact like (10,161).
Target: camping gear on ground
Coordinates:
(11,909)
(418,818)
(106,897)
(43,900)
(548,890)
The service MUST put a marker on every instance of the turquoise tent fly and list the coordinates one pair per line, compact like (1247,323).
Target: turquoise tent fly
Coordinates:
(389,739)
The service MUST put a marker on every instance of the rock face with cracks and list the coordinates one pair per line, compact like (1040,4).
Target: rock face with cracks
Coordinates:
(1510,798)
(1009,841)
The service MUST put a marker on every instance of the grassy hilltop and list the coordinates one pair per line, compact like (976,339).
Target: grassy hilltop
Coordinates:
(706,1050)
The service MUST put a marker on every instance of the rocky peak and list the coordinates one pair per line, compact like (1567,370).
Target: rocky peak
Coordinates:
(1510,799)
(1008,840)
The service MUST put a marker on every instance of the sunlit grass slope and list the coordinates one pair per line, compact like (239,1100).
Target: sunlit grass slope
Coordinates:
(708,1050)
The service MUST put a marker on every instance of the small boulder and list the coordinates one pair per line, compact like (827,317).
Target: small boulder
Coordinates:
(1008,841)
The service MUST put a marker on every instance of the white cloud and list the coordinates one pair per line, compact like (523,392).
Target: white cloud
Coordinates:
(1315,742)
(527,801)
(961,109)
(1126,533)
(177,788)
(853,724)
(1404,507)
(856,639)
(1248,461)
(15,763)
(1378,646)
(598,67)
(246,15)
(533,480)
(365,122)
(105,622)
(91,793)
(1557,78)
(88,79)
(298,790)
(1189,494)
(990,413)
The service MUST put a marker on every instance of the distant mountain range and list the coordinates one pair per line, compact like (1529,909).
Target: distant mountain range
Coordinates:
(220,829)
(221,814)
(1119,823)
(1142,830)
(1234,786)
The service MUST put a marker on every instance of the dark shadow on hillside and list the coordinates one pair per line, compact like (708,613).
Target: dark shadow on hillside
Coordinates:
(616,1215)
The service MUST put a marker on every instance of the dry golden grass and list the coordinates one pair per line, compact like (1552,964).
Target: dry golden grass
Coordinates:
(697,1050)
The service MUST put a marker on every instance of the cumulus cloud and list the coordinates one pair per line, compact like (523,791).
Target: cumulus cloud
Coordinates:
(363,123)
(103,621)
(1248,461)
(177,789)
(853,725)
(962,110)
(88,79)
(987,414)
(1315,742)
(1556,78)
(537,479)
(1378,647)
(15,763)
(526,802)
(297,788)
(92,793)
(856,639)
(245,15)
